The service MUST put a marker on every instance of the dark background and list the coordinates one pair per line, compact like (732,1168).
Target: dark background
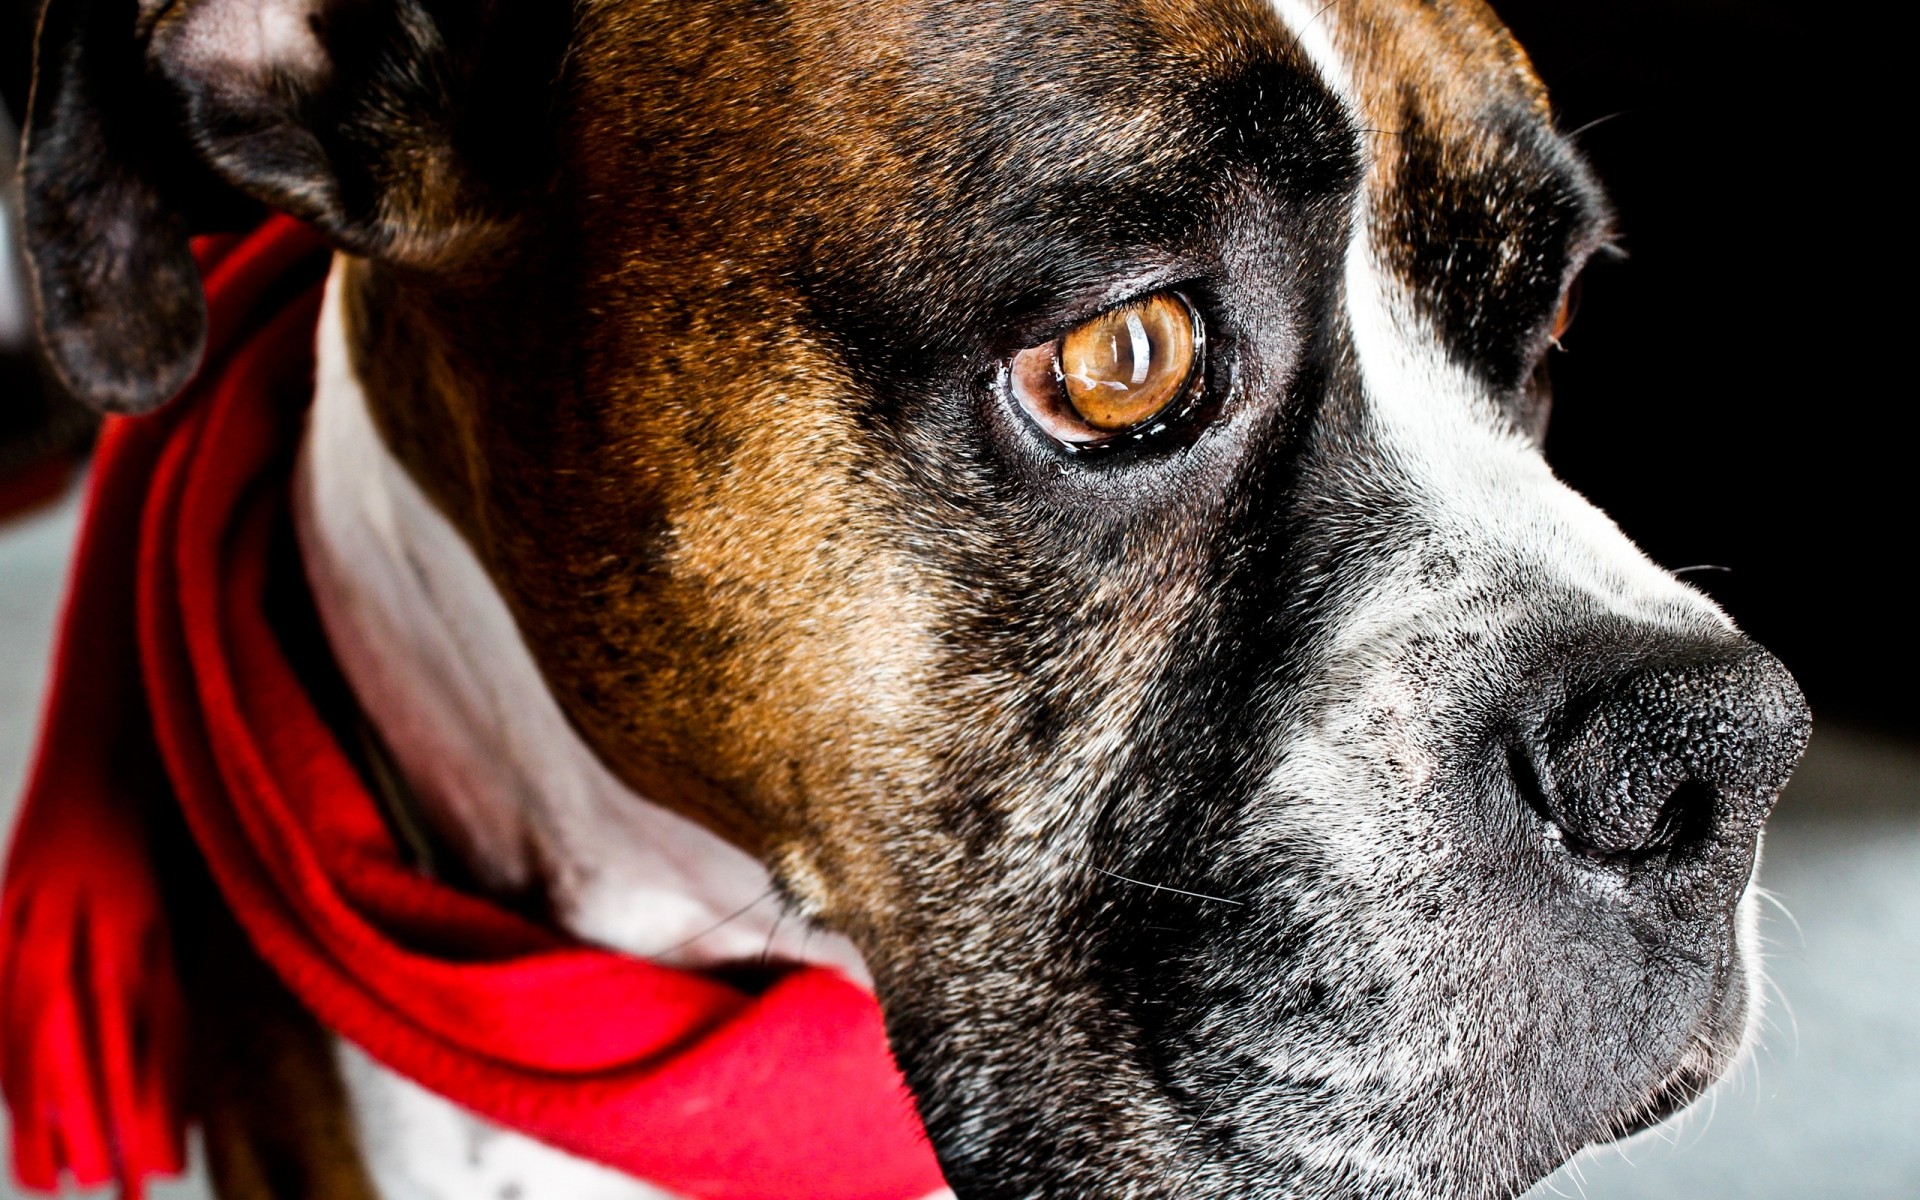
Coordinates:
(1732,390)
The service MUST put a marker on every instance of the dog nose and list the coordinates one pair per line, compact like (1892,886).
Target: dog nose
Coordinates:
(1672,760)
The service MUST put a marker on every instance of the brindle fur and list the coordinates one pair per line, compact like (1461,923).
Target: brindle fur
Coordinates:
(704,367)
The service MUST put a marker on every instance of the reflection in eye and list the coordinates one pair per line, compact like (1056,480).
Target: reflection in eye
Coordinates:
(1114,373)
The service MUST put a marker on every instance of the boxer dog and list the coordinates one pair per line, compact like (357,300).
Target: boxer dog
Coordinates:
(1037,501)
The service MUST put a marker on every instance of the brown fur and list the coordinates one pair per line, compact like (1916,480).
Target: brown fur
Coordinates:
(668,481)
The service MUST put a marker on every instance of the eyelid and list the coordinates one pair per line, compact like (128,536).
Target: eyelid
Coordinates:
(1074,305)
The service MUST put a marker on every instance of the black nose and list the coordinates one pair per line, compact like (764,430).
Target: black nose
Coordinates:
(1676,760)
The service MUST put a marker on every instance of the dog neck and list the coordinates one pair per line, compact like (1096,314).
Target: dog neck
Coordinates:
(430,650)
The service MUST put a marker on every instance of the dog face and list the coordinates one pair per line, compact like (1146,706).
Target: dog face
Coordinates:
(1060,481)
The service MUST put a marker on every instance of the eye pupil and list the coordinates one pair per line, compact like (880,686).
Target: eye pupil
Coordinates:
(1125,366)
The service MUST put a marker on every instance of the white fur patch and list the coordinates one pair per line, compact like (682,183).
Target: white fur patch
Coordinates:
(1311,22)
(1488,504)
(1482,483)
(439,666)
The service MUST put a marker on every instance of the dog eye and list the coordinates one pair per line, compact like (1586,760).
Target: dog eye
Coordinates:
(1114,374)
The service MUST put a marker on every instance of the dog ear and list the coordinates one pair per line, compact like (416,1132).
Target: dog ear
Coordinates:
(386,123)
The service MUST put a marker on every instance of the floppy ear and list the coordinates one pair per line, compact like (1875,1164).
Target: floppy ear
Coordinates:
(387,123)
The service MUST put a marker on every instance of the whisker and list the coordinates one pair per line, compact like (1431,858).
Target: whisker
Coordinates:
(1199,1127)
(1774,900)
(1713,1110)
(766,954)
(722,923)
(1158,887)
(1596,123)
(1580,1177)
(1793,1018)
(1324,9)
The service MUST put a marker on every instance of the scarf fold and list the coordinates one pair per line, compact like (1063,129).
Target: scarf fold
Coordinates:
(171,687)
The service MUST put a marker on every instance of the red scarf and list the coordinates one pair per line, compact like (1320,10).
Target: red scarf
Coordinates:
(170,687)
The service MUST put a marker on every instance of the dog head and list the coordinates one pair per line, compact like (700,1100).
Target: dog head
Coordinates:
(1060,481)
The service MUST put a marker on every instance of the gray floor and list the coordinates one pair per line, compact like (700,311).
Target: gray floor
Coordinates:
(1829,1108)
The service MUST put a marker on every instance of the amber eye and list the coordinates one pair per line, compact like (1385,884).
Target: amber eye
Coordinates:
(1115,373)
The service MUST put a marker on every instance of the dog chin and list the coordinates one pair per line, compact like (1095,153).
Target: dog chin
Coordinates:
(1438,1025)
(1724,1038)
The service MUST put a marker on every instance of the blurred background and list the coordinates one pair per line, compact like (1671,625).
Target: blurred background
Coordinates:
(1726,396)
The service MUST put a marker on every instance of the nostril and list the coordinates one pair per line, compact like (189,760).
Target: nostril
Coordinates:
(1658,761)
(1686,817)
